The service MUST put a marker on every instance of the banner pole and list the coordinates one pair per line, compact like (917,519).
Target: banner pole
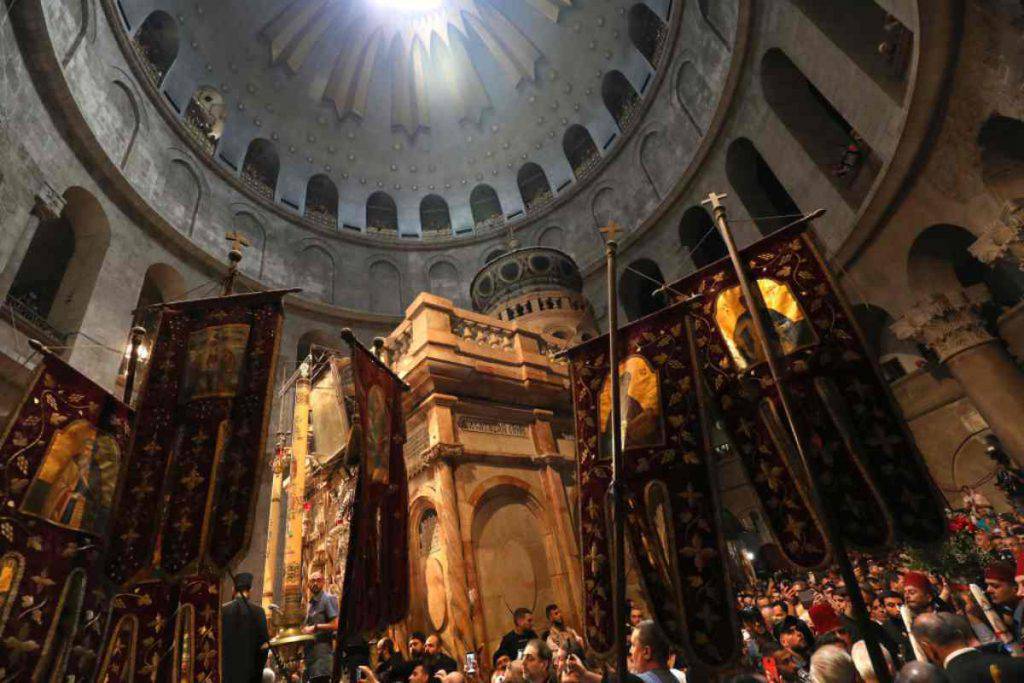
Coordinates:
(615,488)
(768,340)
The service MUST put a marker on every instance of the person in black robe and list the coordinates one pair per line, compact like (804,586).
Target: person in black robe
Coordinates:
(244,636)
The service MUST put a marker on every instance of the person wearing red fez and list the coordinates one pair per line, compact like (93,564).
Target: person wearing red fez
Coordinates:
(1001,588)
(920,595)
(827,627)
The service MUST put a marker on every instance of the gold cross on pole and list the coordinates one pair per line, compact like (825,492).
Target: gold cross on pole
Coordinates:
(238,240)
(714,200)
(610,231)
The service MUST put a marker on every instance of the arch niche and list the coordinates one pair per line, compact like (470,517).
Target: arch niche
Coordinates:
(510,540)
(157,43)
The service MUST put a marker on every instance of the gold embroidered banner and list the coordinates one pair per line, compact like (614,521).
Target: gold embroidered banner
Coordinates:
(189,489)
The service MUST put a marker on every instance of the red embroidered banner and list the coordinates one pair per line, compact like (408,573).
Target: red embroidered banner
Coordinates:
(867,464)
(673,516)
(376,581)
(59,459)
(190,487)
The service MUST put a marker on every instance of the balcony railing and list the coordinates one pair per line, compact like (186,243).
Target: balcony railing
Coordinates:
(321,217)
(255,181)
(31,322)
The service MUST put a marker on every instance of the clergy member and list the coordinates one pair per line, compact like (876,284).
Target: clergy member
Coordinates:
(244,636)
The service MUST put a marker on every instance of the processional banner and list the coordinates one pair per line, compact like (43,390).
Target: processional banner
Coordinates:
(59,457)
(376,581)
(673,517)
(189,489)
(867,465)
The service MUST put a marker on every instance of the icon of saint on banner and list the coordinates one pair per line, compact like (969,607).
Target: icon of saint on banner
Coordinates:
(640,406)
(784,312)
(378,435)
(216,358)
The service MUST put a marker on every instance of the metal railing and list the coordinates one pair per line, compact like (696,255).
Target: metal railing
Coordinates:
(34,323)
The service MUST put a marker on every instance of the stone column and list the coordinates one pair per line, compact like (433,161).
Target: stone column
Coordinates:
(293,604)
(49,205)
(558,510)
(273,530)
(463,639)
(949,324)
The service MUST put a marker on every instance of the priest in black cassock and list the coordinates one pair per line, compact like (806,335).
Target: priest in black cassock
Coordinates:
(244,636)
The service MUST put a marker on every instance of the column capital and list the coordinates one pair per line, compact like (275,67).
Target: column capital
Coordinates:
(49,204)
(1003,238)
(439,452)
(946,323)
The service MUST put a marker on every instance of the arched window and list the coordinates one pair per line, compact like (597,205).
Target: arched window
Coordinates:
(322,201)
(385,288)
(381,213)
(157,43)
(874,40)
(1001,140)
(580,150)
(533,186)
(699,236)
(646,31)
(757,187)
(162,283)
(637,285)
(486,207)
(205,116)
(829,140)
(619,98)
(54,281)
(435,219)
(939,262)
(260,168)
(443,280)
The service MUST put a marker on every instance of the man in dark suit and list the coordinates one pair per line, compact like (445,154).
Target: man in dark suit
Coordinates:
(244,636)
(945,638)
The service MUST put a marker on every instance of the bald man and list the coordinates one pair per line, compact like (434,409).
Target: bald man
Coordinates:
(321,622)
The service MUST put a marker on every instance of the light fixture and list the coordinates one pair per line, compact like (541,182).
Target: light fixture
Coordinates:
(409,6)
(749,555)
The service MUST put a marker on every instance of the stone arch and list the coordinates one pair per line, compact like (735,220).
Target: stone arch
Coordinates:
(435,218)
(386,294)
(381,213)
(318,338)
(157,43)
(184,189)
(896,357)
(513,545)
(709,11)
(761,192)
(322,201)
(652,157)
(261,168)
(246,222)
(699,236)
(881,46)
(620,98)
(534,187)
(429,610)
(1001,144)
(580,150)
(443,280)
(86,25)
(316,271)
(638,286)
(694,96)
(485,205)
(939,262)
(646,32)
(842,157)
(160,284)
(58,273)
(130,116)
(553,237)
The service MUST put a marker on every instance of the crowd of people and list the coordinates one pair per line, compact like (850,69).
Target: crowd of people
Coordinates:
(930,626)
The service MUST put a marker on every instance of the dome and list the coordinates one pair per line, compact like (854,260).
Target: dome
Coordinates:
(522,271)
(404,118)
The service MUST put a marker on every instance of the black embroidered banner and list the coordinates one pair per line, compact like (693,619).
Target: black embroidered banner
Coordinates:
(867,464)
(59,460)
(197,450)
(673,517)
(376,582)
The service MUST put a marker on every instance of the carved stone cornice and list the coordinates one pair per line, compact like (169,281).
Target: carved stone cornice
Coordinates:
(946,323)
(49,203)
(437,453)
(1003,239)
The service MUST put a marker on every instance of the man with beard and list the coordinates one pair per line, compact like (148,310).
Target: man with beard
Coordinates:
(892,622)
(435,659)
(515,640)
(321,622)
(559,634)
(1001,587)
(921,596)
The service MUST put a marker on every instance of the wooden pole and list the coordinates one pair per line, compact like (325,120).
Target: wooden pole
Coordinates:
(768,339)
(615,488)
(138,334)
